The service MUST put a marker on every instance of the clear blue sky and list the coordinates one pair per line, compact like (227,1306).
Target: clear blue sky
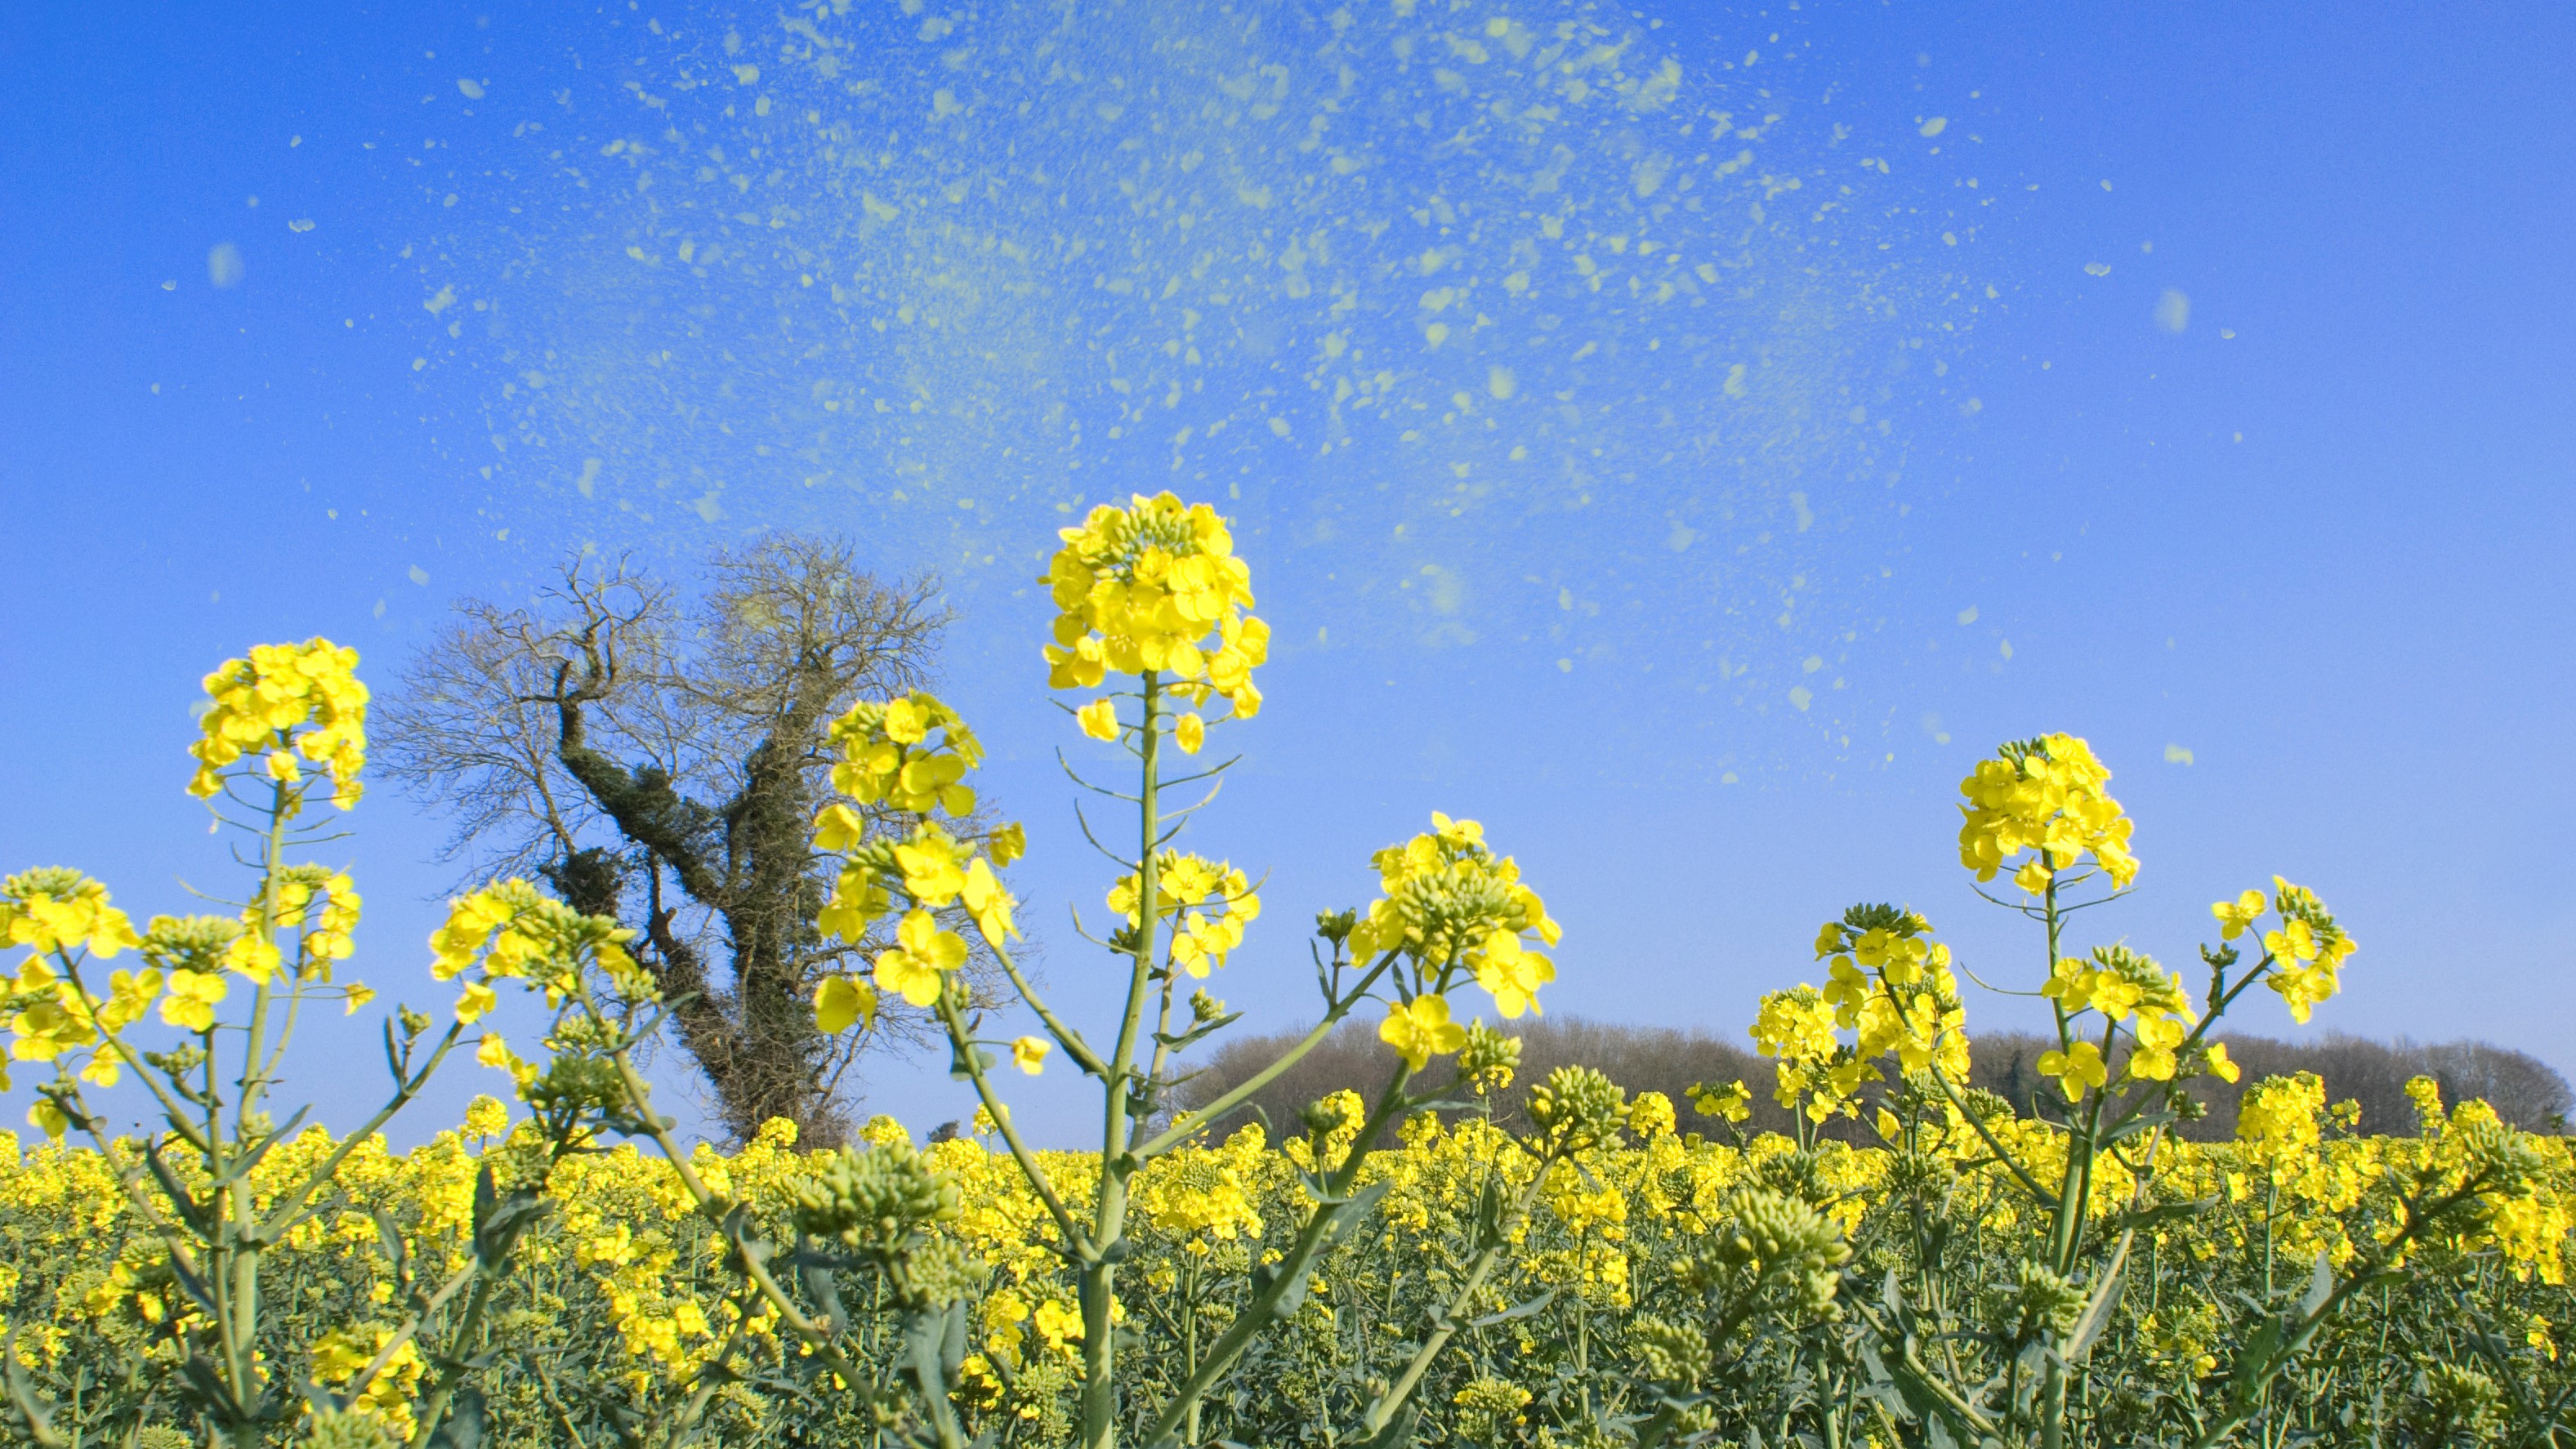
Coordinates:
(2228,418)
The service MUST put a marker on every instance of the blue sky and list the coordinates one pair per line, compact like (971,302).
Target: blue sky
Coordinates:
(2225,421)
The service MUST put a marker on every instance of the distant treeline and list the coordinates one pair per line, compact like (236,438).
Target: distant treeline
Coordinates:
(2524,1091)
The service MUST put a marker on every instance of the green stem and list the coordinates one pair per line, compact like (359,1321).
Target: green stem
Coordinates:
(1097,1274)
(1390,1403)
(1312,1238)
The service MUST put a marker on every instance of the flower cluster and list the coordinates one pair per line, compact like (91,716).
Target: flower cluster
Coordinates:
(2045,796)
(1209,903)
(911,754)
(889,755)
(935,871)
(1732,1102)
(262,705)
(2305,951)
(2276,1122)
(2128,989)
(1203,1195)
(1891,983)
(65,915)
(1447,901)
(1139,590)
(1450,905)
(1797,1029)
(518,932)
(52,908)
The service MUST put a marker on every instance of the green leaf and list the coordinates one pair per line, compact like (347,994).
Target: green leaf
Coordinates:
(2320,1287)
(1518,1310)
(463,1426)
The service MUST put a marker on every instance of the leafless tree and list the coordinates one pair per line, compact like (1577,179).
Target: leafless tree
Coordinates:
(659,758)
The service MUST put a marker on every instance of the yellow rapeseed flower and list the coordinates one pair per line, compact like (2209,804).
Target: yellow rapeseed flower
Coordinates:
(1141,590)
(2236,915)
(917,969)
(1513,975)
(2043,795)
(300,697)
(1420,1029)
(842,1001)
(2078,1069)
(192,999)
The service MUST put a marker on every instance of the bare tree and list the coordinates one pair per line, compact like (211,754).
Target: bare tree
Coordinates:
(660,759)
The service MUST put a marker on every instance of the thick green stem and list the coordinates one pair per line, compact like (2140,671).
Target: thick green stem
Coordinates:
(1098,1273)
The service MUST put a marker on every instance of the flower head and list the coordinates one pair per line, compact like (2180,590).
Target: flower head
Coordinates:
(1029,1053)
(1209,902)
(285,701)
(916,970)
(2306,953)
(1449,899)
(2078,1069)
(2236,915)
(52,908)
(909,753)
(1155,588)
(1733,1102)
(2043,795)
(1420,1029)
(841,1002)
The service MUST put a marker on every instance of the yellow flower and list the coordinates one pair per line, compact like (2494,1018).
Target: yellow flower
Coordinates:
(1189,732)
(1446,892)
(476,1000)
(1141,589)
(842,1001)
(1420,1030)
(1008,843)
(916,970)
(2077,1070)
(2219,1066)
(2043,795)
(1099,719)
(305,697)
(496,1054)
(2235,916)
(2277,1119)
(888,755)
(192,998)
(2154,1059)
(48,1118)
(53,909)
(252,955)
(930,873)
(989,903)
(1029,1053)
(838,828)
(1734,1101)
(2034,876)
(1511,974)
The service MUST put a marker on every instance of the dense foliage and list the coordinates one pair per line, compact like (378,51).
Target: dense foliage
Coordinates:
(1915,1261)
(621,1300)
